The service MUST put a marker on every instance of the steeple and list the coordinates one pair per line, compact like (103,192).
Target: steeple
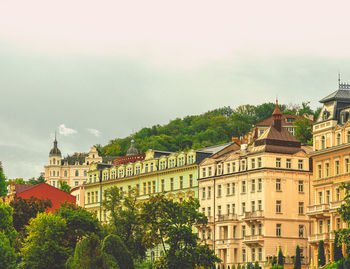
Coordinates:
(277,117)
(132,150)
(55,151)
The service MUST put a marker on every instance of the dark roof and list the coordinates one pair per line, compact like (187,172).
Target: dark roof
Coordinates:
(108,159)
(339,94)
(269,121)
(214,149)
(55,151)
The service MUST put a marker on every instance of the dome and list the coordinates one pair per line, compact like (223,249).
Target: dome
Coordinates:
(132,150)
(55,151)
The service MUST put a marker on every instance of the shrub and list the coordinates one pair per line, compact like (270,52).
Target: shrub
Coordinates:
(115,247)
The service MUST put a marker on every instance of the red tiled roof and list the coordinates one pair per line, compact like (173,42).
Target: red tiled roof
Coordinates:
(21,188)
(269,121)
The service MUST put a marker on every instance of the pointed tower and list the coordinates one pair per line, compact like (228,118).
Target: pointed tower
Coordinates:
(55,154)
(132,150)
(277,118)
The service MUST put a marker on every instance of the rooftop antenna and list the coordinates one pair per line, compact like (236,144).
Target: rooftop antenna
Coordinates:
(339,80)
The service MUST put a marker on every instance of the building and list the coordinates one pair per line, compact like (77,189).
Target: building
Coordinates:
(71,169)
(331,155)
(255,198)
(41,191)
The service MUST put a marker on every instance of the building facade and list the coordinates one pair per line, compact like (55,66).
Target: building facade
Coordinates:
(255,198)
(71,169)
(331,155)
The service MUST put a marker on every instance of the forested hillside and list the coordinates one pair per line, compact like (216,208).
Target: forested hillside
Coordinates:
(198,131)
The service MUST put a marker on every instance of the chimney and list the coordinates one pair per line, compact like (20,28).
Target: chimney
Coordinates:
(277,118)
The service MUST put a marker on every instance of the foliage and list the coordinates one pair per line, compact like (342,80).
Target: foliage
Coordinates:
(277,266)
(274,260)
(125,220)
(16,181)
(297,262)
(79,222)
(7,253)
(46,238)
(115,247)
(321,256)
(39,180)
(88,254)
(25,209)
(198,131)
(344,211)
(256,265)
(3,184)
(169,222)
(280,259)
(64,186)
(6,223)
(303,131)
(337,248)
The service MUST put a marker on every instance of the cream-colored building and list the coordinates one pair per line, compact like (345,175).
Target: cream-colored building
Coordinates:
(331,160)
(71,169)
(256,198)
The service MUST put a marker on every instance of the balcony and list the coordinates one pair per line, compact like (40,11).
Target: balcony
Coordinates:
(335,206)
(255,216)
(253,240)
(315,238)
(318,211)
(228,217)
(226,243)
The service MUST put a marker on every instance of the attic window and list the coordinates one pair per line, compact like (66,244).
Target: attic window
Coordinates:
(290,120)
(325,115)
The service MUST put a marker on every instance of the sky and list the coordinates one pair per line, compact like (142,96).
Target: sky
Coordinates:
(93,71)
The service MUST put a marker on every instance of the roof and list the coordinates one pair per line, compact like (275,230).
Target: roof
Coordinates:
(269,121)
(339,94)
(214,149)
(21,188)
(72,159)
(55,151)
(132,150)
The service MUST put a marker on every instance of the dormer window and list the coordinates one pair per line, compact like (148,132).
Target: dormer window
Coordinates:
(291,120)
(323,142)
(325,115)
(338,139)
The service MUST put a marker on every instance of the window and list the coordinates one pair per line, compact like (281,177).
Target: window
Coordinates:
(228,168)
(301,186)
(320,198)
(65,173)
(233,167)
(278,185)
(95,177)
(253,185)
(234,232)
(260,254)
(144,188)
(171,184)
(338,194)
(328,194)
(260,229)
(278,229)
(138,169)
(289,163)
(219,210)
(233,188)
(301,208)
(219,190)
(76,173)
(190,180)
(203,172)
(259,184)
(209,171)
(348,136)
(328,225)
(278,206)
(259,205)
(300,164)
(243,255)
(146,168)
(190,159)
(278,162)
(209,211)
(347,165)
(209,233)
(113,174)
(209,192)
(323,142)
(162,185)
(253,206)
(243,230)
(253,163)
(76,183)
(121,173)
(243,186)
(243,208)
(321,226)
(233,209)
(149,187)
(88,197)
(301,231)
(219,169)
(153,186)
(337,167)
(92,197)
(96,195)
(259,162)
(181,179)
(253,254)
(203,210)
(326,169)
(54,173)
(128,171)
(319,169)
(228,188)
(243,166)
(203,193)
(228,209)
(338,139)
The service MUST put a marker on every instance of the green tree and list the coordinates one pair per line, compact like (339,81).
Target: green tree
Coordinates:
(305,109)
(16,181)
(125,220)
(46,245)
(25,209)
(297,262)
(303,131)
(39,180)
(256,265)
(79,222)
(115,247)
(7,253)
(88,254)
(3,184)
(321,256)
(337,249)
(6,223)
(344,211)
(64,186)
(280,259)
(169,222)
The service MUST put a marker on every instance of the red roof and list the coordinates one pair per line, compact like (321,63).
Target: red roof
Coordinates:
(45,191)
(277,111)
(269,121)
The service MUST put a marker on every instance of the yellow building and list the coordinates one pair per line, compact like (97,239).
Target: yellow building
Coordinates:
(331,155)
(255,198)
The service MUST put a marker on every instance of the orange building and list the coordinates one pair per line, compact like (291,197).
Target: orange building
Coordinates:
(331,155)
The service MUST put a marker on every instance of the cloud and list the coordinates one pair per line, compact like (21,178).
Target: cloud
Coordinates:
(94,132)
(63,130)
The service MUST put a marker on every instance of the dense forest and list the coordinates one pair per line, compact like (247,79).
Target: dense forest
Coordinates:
(211,128)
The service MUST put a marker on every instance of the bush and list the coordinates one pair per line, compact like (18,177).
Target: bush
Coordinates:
(277,266)
(115,247)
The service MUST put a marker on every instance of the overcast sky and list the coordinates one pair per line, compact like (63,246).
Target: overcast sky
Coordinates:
(97,70)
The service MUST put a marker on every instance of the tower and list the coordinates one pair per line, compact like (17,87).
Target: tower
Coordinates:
(55,155)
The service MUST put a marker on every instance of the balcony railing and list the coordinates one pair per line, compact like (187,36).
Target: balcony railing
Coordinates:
(227,217)
(319,209)
(253,239)
(335,205)
(226,241)
(318,237)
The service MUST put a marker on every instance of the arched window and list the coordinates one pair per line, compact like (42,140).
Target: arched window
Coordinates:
(54,173)
(338,139)
(54,161)
(76,173)
(58,173)
(65,173)
(85,173)
(323,142)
